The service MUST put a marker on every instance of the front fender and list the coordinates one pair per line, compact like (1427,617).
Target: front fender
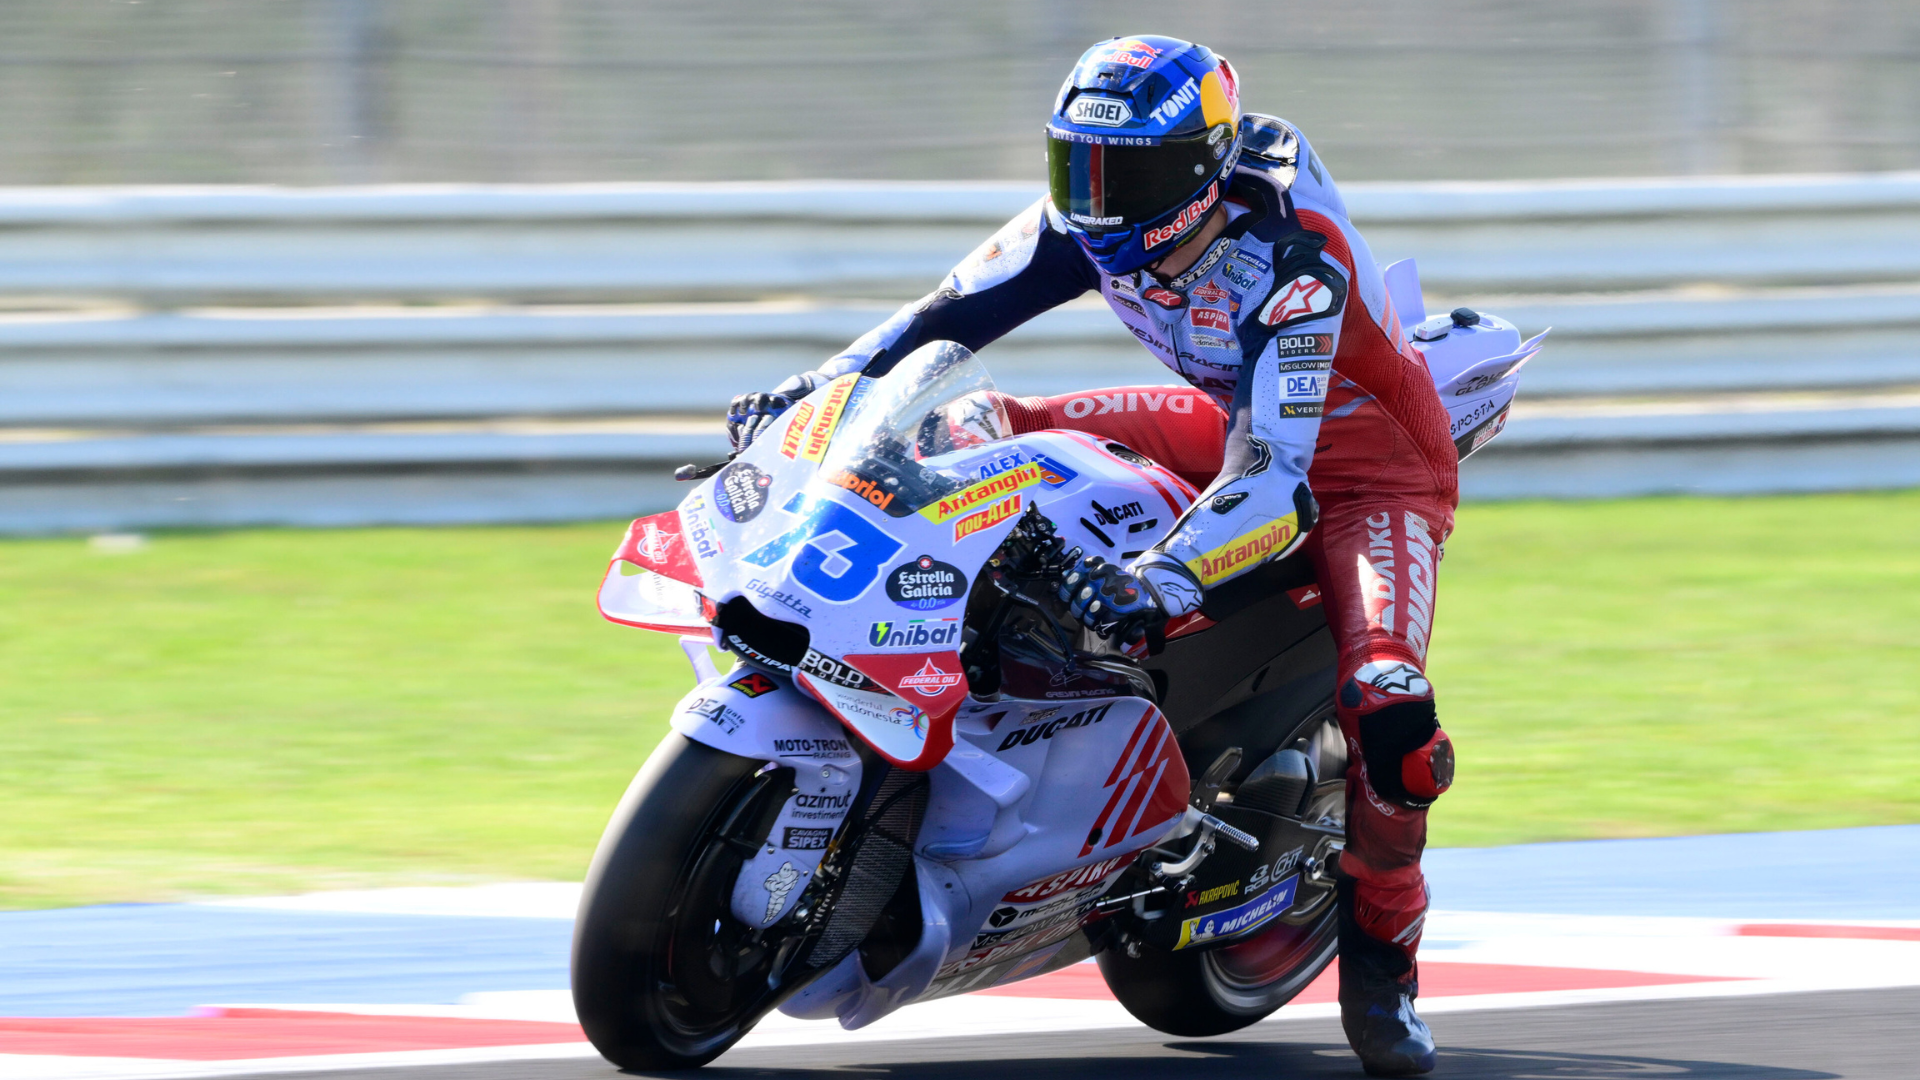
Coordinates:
(760,716)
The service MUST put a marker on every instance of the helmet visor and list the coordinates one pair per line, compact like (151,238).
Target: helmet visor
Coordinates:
(1100,187)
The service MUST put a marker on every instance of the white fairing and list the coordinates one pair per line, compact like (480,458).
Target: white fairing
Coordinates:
(1475,368)
(1029,819)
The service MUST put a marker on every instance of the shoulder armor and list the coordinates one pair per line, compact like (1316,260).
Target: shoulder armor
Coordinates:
(1271,144)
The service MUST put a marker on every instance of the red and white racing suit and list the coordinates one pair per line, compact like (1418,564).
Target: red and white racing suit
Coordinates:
(1298,380)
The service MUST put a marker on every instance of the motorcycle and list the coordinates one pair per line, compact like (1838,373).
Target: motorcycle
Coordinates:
(923,777)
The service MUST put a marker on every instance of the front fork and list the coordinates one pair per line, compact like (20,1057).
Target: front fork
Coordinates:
(758,714)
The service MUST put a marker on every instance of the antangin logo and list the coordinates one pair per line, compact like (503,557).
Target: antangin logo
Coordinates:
(1244,551)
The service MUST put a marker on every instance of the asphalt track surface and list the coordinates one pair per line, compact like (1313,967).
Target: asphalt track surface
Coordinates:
(1840,1035)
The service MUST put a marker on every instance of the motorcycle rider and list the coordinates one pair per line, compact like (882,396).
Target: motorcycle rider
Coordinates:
(1221,242)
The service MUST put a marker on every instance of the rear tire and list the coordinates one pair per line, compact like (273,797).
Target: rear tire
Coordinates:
(1213,991)
(663,976)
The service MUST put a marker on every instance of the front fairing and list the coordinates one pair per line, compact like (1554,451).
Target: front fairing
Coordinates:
(863,516)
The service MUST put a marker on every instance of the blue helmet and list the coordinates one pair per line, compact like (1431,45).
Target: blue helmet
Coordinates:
(1141,146)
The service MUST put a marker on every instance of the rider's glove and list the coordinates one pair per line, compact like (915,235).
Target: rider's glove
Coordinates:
(1110,600)
(750,414)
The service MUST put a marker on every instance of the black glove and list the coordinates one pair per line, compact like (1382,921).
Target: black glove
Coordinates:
(1110,600)
(750,414)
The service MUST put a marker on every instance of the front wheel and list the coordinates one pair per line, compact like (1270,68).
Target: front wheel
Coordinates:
(664,977)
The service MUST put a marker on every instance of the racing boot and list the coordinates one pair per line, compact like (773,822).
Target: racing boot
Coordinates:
(1378,982)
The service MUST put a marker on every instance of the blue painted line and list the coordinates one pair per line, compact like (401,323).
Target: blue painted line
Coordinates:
(165,959)
(1870,873)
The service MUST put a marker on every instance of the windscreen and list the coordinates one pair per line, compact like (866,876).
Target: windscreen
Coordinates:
(937,401)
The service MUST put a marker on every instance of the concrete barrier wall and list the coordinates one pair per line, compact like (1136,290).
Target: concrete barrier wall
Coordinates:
(230,355)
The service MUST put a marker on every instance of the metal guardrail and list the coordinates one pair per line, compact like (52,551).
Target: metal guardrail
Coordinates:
(1799,297)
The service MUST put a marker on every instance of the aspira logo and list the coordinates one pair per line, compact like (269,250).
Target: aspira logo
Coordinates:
(913,633)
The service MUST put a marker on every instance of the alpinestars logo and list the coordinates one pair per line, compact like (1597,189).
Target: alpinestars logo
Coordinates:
(1306,296)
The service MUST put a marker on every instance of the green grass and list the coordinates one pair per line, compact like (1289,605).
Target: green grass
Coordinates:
(270,710)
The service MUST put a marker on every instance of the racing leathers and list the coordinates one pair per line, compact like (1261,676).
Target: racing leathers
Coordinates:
(1286,326)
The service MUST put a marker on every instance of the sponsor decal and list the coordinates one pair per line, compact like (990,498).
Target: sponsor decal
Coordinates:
(930,681)
(1205,263)
(717,712)
(1221,504)
(862,709)
(926,584)
(778,885)
(830,749)
(1244,551)
(837,803)
(1252,260)
(799,839)
(1027,736)
(914,633)
(1010,460)
(1149,785)
(1052,473)
(1100,111)
(1123,285)
(1239,920)
(1114,515)
(813,445)
(1211,318)
(821,666)
(1303,345)
(796,429)
(1305,387)
(1178,100)
(741,648)
(1240,276)
(754,684)
(1208,341)
(986,519)
(864,487)
(1307,296)
(1203,897)
(1126,303)
(797,605)
(740,491)
(996,953)
(1193,212)
(1083,219)
(1080,878)
(1280,868)
(983,492)
(1210,293)
(1101,139)
(1480,382)
(1166,298)
(1291,412)
(1305,596)
(700,530)
(1133,401)
(1149,340)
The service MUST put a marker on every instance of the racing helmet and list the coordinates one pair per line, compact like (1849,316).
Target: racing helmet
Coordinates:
(1141,146)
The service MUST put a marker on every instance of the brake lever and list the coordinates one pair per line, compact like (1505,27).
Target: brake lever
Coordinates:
(700,472)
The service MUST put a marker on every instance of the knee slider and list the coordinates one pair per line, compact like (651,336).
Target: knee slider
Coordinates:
(1409,759)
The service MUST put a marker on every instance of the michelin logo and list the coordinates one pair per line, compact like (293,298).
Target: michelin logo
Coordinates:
(1254,913)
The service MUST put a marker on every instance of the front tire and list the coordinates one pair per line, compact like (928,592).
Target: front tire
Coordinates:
(663,976)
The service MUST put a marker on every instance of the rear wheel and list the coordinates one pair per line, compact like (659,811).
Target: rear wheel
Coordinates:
(1225,988)
(664,977)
